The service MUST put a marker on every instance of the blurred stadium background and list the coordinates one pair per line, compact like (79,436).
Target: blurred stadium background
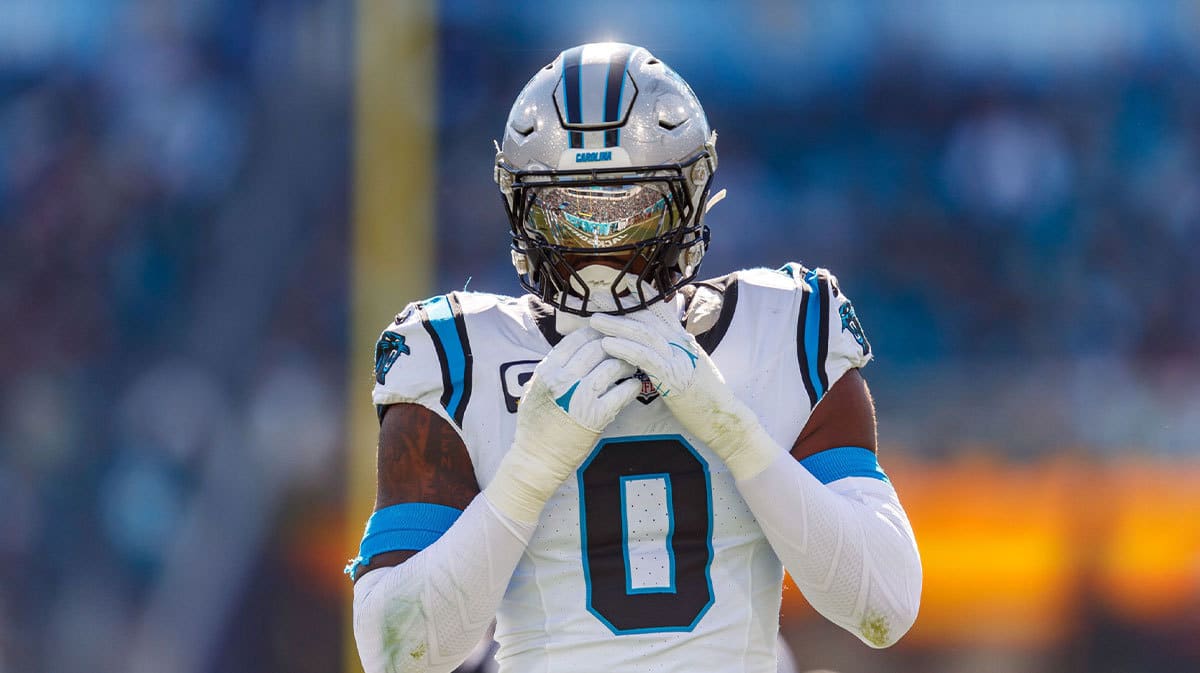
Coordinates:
(209,207)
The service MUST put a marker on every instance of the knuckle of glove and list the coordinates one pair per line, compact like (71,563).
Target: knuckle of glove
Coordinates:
(568,348)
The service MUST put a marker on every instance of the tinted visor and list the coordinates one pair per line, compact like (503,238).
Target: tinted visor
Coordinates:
(598,217)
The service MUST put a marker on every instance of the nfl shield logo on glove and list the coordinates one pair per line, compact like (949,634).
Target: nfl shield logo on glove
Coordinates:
(649,392)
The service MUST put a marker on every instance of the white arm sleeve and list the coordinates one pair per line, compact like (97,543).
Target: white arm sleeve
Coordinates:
(427,614)
(848,546)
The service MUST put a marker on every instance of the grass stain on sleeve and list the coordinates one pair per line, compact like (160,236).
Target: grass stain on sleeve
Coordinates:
(874,628)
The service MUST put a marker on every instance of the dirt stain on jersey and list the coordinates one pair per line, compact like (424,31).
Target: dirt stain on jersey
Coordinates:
(874,628)
(397,638)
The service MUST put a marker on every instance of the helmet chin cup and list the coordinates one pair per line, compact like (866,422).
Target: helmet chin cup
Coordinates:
(599,284)
(596,275)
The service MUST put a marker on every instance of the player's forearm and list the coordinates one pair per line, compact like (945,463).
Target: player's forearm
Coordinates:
(850,551)
(848,546)
(426,614)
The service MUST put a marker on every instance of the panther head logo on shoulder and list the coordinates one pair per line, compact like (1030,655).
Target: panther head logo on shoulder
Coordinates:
(390,346)
(851,324)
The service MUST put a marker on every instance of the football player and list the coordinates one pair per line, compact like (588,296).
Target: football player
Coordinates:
(618,465)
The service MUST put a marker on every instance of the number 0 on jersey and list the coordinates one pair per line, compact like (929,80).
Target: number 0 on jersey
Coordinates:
(639,495)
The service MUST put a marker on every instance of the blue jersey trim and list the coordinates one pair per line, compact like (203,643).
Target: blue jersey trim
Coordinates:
(792,269)
(845,461)
(812,329)
(441,320)
(410,526)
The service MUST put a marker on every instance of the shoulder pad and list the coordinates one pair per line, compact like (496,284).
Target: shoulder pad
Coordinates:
(829,337)
(709,308)
(424,356)
(776,279)
(471,303)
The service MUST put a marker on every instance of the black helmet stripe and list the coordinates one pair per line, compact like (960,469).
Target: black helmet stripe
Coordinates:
(614,89)
(572,60)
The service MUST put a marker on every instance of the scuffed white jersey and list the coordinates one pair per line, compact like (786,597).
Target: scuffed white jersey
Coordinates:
(648,559)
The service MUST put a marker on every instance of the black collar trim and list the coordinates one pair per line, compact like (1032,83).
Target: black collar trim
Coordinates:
(727,286)
(544,318)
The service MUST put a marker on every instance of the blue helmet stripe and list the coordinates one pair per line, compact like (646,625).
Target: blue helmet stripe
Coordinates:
(614,92)
(572,108)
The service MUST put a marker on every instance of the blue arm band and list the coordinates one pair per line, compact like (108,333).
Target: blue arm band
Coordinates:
(845,461)
(408,526)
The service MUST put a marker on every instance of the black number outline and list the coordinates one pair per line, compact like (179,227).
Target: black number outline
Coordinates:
(674,545)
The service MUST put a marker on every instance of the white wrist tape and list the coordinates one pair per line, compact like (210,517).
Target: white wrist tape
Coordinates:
(427,614)
(576,391)
(848,546)
(735,433)
(538,461)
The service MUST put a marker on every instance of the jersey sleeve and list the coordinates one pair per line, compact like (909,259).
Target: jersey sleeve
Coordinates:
(406,364)
(829,337)
(423,357)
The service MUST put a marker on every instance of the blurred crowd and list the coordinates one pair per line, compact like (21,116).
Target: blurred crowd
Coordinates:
(1016,218)
(1010,193)
(173,183)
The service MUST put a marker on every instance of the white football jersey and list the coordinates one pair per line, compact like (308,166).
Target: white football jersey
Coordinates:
(648,559)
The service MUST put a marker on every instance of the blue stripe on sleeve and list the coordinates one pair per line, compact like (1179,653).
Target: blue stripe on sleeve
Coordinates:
(409,526)
(812,328)
(441,319)
(845,461)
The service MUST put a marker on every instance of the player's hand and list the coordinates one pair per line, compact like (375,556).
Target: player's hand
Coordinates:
(579,379)
(654,340)
(689,383)
(575,392)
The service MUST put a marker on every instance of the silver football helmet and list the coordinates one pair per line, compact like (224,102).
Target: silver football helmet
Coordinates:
(604,170)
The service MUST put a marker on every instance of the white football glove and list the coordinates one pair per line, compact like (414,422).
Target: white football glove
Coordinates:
(574,394)
(690,385)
